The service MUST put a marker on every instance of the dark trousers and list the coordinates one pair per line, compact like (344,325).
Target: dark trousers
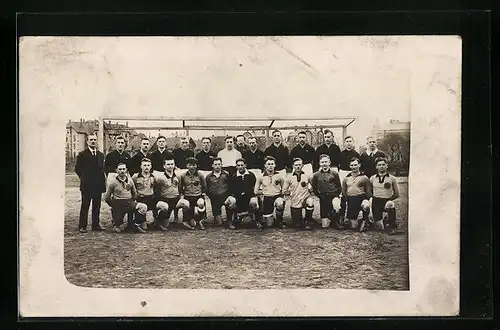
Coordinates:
(95,198)
(343,205)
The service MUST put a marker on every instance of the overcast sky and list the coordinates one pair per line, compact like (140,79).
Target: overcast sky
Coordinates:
(244,77)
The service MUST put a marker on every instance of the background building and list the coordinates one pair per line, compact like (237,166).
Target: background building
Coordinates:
(394,139)
(77,131)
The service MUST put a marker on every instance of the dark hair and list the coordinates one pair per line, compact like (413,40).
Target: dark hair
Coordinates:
(349,137)
(269,158)
(301,132)
(145,139)
(216,158)
(121,164)
(228,137)
(168,157)
(145,160)
(354,159)
(327,131)
(276,131)
(120,137)
(381,159)
(192,161)
(206,138)
(297,159)
(161,137)
(240,135)
(240,160)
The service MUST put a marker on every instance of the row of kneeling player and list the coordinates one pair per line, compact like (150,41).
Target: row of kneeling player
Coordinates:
(249,199)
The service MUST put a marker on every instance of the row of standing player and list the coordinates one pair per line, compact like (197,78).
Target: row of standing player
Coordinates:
(241,193)
(250,152)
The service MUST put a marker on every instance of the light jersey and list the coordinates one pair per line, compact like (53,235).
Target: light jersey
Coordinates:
(299,190)
(144,186)
(271,185)
(168,187)
(384,187)
(356,186)
(229,157)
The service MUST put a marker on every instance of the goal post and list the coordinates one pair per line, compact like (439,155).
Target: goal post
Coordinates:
(187,125)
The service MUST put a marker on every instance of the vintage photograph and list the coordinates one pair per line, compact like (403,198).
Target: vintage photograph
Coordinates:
(317,200)
(239,176)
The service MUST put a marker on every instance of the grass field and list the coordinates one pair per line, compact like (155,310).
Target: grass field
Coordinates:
(219,258)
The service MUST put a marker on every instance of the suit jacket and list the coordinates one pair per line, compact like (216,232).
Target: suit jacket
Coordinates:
(90,170)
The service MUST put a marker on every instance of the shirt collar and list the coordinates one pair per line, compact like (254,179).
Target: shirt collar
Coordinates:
(383,176)
(122,181)
(267,174)
(168,176)
(217,174)
(92,151)
(372,152)
(297,173)
(140,174)
(244,173)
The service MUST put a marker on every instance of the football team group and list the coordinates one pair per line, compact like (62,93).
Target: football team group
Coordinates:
(252,185)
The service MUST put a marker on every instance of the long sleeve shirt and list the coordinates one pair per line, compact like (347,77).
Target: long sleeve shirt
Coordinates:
(385,186)
(368,161)
(166,185)
(217,185)
(118,189)
(298,186)
(205,160)
(113,159)
(345,159)
(192,184)
(356,185)
(333,151)
(326,182)
(144,185)
(135,162)
(281,154)
(270,184)
(157,159)
(254,160)
(242,184)
(306,153)
(229,157)
(180,157)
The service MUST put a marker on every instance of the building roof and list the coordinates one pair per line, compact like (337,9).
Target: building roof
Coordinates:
(85,127)
(89,126)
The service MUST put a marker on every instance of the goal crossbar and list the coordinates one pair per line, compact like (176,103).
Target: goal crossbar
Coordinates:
(188,124)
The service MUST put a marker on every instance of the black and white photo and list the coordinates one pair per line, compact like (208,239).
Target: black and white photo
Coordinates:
(291,170)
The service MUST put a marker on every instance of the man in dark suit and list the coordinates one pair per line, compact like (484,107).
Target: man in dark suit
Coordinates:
(90,169)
